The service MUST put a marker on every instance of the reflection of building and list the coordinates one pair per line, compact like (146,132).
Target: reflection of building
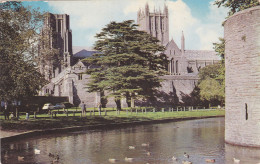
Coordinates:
(67,78)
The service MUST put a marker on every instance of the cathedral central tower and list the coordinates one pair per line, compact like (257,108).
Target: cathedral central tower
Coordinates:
(155,23)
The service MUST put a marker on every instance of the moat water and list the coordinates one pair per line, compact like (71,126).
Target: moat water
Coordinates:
(201,139)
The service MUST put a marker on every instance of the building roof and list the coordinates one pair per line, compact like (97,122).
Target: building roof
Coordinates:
(201,55)
(82,52)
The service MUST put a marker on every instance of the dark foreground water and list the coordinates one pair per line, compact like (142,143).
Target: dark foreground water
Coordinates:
(201,139)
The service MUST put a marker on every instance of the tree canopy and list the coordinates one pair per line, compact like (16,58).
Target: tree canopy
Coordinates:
(212,78)
(19,32)
(129,63)
(236,5)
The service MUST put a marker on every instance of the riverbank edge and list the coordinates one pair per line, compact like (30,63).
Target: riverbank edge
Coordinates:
(33,133)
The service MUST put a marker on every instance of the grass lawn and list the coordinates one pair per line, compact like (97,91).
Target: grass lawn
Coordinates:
(74,118)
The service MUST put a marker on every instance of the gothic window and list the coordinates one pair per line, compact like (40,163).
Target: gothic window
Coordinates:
(177,69)
(79,76)
(162,24)
(59,25)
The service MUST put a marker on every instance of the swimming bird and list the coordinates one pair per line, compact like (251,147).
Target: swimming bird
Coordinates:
(51,155)
(236,160)
(174,158)
(145,144)
(131,147)
(20,158)
(148,153)
(112,160)
(186,162)
(210,160)
(37,151)
(129,159)
(186,155)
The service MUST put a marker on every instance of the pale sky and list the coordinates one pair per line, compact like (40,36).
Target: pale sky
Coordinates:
(200,20)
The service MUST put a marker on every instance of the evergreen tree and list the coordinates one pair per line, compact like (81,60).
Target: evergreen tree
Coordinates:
(129,63)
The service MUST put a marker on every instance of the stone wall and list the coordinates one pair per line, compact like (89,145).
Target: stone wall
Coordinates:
(242,35)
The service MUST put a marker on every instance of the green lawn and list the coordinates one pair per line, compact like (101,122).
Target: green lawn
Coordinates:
(45,121)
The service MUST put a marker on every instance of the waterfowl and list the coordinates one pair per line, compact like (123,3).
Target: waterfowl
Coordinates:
(57,157)
(37,151)
(186,155)
(51,155)
(145,144)
(20,158)
(210,160)
(131,147)
(129,159)
(148,153)
(236,160)
(112,160)
(186,162)
(174,158)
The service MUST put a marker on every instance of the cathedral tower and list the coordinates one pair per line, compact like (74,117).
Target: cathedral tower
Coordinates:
(155,23)
(57,35)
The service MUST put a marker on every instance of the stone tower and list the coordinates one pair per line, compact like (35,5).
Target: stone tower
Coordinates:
(58,36)
(242,63)
(155,23)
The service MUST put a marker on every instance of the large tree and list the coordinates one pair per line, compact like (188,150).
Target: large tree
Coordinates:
(129,63)
(19,32)
(236,5)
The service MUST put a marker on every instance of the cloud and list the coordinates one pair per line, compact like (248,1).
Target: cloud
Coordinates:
(89,17)
(211,29)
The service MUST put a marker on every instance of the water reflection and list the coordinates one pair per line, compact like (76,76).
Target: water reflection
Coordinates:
(201,139)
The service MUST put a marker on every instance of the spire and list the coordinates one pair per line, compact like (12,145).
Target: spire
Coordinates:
(165,9)
(182,43)
(146,9)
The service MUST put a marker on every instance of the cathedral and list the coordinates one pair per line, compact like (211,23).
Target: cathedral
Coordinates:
(67,79)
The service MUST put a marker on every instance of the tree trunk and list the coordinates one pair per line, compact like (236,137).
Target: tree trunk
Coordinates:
(118,104)
(132,102)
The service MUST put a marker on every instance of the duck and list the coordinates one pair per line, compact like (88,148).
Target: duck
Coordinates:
(148,153)
(37,151)
(57,157)
(20,158)
(112,160)
(129,159)
(174,158)
(145,144)
(131,147)
(236,160)
(51,155)
(186,162)
(210,160)
(55,161)
(186,155)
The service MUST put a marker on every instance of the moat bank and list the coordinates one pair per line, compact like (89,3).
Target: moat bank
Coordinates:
(13,129)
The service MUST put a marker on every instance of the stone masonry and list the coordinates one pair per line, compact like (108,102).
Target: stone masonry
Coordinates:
(183,66)
(242,35)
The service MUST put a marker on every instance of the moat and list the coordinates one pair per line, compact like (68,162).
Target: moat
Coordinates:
(201,139)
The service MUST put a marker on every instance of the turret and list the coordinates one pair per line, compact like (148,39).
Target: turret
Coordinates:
(182,44)
(165,11)
(146,9)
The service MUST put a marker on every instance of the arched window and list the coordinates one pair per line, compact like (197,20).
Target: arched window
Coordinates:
(177,65)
